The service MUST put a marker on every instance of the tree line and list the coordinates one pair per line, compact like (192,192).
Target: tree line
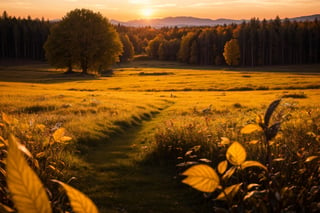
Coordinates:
(273,42)
(266,42)
(23,37)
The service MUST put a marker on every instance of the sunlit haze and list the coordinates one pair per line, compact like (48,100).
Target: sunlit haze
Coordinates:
(124,10)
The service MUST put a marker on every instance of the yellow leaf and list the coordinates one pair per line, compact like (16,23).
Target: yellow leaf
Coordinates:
(225,141)
(24,150)
(228,174)
(247,164)
(58,134)
(311,158)
(229,192)
(250,128)
(202,177)
(40,155)
(252,185)
(4,208)
(5,142)
(222,167)
(65,139)
(254,142)
(278,159)
(55,169)
(4,174)
(41,127)
(271,143)
(36,163)
(80,203)
(28,194)
(6,118)
(236,154)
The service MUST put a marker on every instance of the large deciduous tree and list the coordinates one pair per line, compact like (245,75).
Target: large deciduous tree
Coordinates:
(83,39)
(232,52)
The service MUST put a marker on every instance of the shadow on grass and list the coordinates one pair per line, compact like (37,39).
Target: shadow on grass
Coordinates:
(42,73)
(297,68)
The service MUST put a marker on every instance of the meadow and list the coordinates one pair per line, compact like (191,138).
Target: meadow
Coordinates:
(131,127)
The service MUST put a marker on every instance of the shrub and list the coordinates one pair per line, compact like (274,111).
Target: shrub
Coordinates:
(25,172)
(286,140)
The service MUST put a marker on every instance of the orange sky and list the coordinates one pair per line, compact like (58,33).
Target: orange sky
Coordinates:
(124,10)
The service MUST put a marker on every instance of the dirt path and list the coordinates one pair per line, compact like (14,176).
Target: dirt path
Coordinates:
(117,183)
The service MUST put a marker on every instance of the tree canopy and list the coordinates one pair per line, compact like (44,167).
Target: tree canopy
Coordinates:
(83,39)
(232,52)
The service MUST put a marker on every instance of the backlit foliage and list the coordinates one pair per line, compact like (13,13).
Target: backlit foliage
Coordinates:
(83,39)
(27,192)
(281,171)
(204,178)
(232,52)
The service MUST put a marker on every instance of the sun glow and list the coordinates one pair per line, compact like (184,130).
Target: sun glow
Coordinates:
(147,12)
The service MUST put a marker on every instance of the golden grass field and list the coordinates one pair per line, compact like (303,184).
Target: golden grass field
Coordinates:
(137,101)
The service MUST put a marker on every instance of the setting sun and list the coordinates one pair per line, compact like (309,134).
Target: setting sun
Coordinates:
(147,12)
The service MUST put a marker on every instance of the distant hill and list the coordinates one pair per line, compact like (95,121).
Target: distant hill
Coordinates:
(307,18)
(184,21)
(180,21)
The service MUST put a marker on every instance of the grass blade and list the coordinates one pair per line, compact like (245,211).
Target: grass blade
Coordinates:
(250,163)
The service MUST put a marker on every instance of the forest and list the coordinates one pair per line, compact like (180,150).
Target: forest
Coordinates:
(23,38)
(266,42)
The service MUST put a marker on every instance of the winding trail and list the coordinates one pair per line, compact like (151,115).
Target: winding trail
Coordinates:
(116,182)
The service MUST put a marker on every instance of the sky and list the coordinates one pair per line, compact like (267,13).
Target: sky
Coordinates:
(124,10)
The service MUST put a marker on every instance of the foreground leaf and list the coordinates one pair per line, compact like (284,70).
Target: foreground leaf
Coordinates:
(80,203)
(202,178)
(5,209)
(249,163)
(254,142)
(250,128)
(222,167)
(24,150)
(6,119)
(229,192)
(311,158)
(278,160)
(225,141)
(65,139)
(28,194)
(3,141)
(228,174)
(252,185)
(272,107)
(59,134)
(236,154)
